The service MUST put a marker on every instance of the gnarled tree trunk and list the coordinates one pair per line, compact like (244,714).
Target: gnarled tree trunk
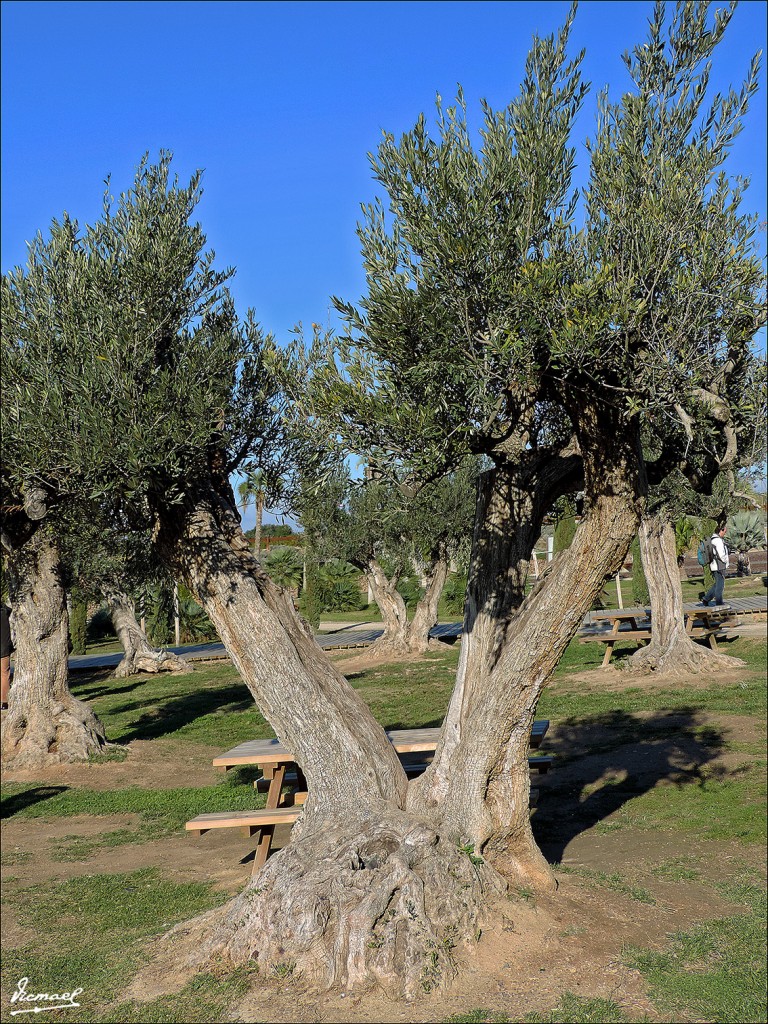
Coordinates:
(379,881)
(401,636)
(390,603)
(366,891)
(45,724)
(139,655)
(479,778)
(671,650)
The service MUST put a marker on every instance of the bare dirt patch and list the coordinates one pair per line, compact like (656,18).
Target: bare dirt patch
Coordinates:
(150,764)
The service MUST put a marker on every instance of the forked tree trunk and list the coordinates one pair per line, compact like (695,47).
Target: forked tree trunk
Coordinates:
(479,779)
(371,889)
(139,655)
(401,636)
(45,724)
(365,892)
(671,651)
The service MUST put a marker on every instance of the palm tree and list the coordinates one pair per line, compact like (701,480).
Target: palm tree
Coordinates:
(745,531)
(337,584)
(253,488)
(284,565)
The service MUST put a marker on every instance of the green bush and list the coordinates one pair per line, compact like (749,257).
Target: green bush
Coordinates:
(337,586)
(410,591)
(565,526)
(285,566)
(640,595)
(100,625)
(78,623)
(454,592)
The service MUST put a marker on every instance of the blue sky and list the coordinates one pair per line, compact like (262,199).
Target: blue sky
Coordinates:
(280,103)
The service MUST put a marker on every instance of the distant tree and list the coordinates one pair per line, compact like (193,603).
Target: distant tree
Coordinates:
(100,561)
(746,530)
(78,622)
(390,535)
(254,489)
(640,595)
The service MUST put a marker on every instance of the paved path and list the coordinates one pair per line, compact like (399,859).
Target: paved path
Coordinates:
(359,634)
(340,639)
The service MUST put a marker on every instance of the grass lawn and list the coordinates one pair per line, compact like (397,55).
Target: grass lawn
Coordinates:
(80,923)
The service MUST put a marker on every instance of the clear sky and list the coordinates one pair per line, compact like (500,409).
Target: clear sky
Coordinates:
(280,103)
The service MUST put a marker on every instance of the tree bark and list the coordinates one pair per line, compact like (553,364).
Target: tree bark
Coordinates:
(425,616)
(392,608)
(479,778)
(139,655)
(671,651)
(400,636)
(366,892)
(45,724)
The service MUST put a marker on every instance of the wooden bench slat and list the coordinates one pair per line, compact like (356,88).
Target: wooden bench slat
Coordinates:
(538,763)
(236,819)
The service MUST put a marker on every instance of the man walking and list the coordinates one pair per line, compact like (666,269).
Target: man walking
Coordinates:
(718,565)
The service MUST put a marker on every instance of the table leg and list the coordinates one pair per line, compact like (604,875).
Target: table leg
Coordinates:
(608,653)
(275,786)
(262,850)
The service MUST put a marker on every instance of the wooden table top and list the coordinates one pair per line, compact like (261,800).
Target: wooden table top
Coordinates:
(405,741)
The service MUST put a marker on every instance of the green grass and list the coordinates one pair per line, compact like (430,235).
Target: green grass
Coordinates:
(573,1009)
(90,934)
(733,809)
(162,811)
(715,971)
(678,869)
(613,881)
(92,931)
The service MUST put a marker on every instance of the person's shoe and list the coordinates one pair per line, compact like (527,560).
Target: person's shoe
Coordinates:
(702,604)
(701,595)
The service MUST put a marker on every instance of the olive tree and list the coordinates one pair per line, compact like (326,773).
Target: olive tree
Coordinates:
(488,329)
(103,559)
(45,723)
(387,528)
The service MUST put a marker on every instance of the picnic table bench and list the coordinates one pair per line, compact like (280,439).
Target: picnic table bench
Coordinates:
(279,768)
(710,623)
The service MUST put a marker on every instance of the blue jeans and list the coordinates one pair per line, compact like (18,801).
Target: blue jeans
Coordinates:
(716,590)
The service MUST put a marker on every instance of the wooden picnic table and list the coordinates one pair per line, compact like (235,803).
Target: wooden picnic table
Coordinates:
(635,624)
(275,760)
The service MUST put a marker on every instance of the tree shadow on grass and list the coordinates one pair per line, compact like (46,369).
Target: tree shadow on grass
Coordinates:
(94,685)
(608,759)
(28,798)
(168,716)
